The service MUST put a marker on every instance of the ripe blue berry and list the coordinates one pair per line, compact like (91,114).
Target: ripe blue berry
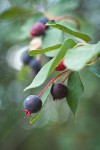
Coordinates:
(32,104)
(36,65)
(43,20)
(37,29)
(26,58)
(59,91)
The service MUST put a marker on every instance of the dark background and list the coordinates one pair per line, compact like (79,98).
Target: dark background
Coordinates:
(56,128)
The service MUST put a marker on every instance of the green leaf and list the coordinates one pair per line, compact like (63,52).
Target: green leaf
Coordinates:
(44,99)
(44,50)
(13,12)
(75,91)
(78,57)
(95,68)
(53,37)
(48,68)
(83,36)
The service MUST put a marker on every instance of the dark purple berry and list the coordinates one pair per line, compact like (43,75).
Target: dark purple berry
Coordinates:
(43,20)
(32,104)
(59,91)
(26,58)
(35,65)
(37,29)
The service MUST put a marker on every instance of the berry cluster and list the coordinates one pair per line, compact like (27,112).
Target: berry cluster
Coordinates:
(37,30)
(33,103)
(39,27)
(31,61)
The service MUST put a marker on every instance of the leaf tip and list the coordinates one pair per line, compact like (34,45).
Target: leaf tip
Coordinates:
(25,89)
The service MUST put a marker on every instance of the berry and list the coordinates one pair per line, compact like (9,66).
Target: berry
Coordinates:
(61,66)
(37,29)
(43,20)
(36,65)
(25,58)
(32,104)
(59,91)
(35,43)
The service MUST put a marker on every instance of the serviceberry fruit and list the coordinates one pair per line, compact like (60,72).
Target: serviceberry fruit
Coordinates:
(43,20)
(37,29)
(35,65)
(26,58)
(59,91)
(32,104)
(61,66)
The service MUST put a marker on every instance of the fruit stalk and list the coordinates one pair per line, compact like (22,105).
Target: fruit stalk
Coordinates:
(66,77)
(54,79)
(73,19)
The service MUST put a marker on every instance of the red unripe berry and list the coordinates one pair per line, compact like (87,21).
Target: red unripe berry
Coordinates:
(59,91)
(61,66)
(37,29)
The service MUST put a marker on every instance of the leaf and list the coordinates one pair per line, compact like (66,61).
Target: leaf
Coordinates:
(77,58)
(52,53)
(75,91)
(95,68)
(13,12)
(44,99)
(53,37)
(83,36)
(44,50)
(49,67)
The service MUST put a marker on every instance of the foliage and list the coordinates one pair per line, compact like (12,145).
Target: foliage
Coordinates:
(70,51)
(16,19)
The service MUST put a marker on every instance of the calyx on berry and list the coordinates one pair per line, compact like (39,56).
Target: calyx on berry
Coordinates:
(61,66)
(37,29)
(32,104)
(59,91)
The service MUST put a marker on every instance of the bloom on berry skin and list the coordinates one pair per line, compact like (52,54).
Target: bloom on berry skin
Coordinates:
(59,91)
(32,104)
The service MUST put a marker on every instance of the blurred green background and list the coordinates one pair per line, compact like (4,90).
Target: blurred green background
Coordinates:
(56,128)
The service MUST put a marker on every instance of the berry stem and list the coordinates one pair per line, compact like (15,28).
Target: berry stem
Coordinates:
(51,81)
(66,77)
(75,20)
